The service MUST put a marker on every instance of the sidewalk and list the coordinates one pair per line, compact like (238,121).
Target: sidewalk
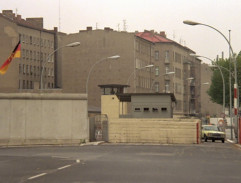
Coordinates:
(228,137)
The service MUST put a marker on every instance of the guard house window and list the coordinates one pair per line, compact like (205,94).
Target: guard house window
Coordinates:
(146,109)
(164,109)
(137,109)
(156,55)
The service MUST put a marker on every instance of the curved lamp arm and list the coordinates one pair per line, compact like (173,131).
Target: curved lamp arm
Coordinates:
(74,44)
(87,81)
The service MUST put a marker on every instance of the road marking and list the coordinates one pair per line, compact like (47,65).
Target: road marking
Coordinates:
(60,168)
(36,176)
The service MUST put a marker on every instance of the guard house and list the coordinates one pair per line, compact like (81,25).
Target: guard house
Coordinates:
(149,105)
(117,104)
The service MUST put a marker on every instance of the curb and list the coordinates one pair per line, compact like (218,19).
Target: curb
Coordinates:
(93,143)
(234,143)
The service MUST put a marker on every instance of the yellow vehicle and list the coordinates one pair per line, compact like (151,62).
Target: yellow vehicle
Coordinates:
(211,132)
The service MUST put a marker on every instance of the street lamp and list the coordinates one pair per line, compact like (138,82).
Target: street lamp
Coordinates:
(87,81)
(74,44)
(168,73)
(236,94)
(194,55)
(147,66)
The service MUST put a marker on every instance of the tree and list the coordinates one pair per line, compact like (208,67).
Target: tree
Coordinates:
(216,88)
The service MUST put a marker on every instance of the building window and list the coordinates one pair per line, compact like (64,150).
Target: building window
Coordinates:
(23,84)
(156,86)
(31,55)
(20,69)
(30,40)
(24,69)
(34,55)
(23,53)
(20,37)
(31,70)
(34,70)
(27,87)
(157,71)
(27,53)
(156,55)
(27,70)
(167,69)
(41,57)
(167,56)
(154,109)
(177,58)
(167,86)
(178,73)
(37,56)
(19,84)
(31,84)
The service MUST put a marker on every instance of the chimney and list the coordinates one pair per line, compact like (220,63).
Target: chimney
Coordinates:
(8,13)
(163,34)
(55,29)
(107,28)
(19,17)
(38,22)
(89,28)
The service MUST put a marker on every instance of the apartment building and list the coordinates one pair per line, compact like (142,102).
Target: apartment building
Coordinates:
(149,62)
(36,44)
(175,71)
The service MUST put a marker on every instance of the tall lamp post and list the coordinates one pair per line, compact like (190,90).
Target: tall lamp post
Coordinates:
(74,44)
(236,94)
(194,55)
(88,77)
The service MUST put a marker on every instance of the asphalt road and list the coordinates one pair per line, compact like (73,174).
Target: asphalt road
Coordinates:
(207,162)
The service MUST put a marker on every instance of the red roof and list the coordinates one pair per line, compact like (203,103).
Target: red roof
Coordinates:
(152,37)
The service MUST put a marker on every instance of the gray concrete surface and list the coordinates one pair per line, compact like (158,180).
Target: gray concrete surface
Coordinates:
(108,163)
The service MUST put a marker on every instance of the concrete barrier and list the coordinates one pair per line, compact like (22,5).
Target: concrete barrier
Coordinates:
(161,131)
(43,118)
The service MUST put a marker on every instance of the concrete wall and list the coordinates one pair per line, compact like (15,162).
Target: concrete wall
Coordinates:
(46,118)
(161,131)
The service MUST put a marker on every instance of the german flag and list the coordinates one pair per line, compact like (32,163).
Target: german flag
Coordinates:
(15,54)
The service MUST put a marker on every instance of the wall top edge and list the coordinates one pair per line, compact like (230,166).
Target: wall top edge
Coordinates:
(43,96)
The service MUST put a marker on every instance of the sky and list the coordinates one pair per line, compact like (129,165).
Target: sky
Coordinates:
(70,16)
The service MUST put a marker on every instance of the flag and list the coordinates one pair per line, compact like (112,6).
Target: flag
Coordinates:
(15,54)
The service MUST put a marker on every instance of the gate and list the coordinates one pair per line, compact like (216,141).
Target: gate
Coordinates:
(99,128)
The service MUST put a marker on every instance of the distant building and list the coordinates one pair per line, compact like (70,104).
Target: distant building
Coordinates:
(208,107)
(174,70)
(36,44)
(136,51)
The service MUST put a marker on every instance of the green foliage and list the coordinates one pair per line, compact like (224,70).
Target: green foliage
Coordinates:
(216,88)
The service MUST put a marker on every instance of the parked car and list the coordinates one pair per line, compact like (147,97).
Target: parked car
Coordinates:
(212,132)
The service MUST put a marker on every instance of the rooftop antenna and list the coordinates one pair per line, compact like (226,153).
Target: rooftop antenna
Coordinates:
(174,35)
(124,25)
(59,15)
(118,26)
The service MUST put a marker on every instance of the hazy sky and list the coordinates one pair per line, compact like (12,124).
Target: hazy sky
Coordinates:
(140,15)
